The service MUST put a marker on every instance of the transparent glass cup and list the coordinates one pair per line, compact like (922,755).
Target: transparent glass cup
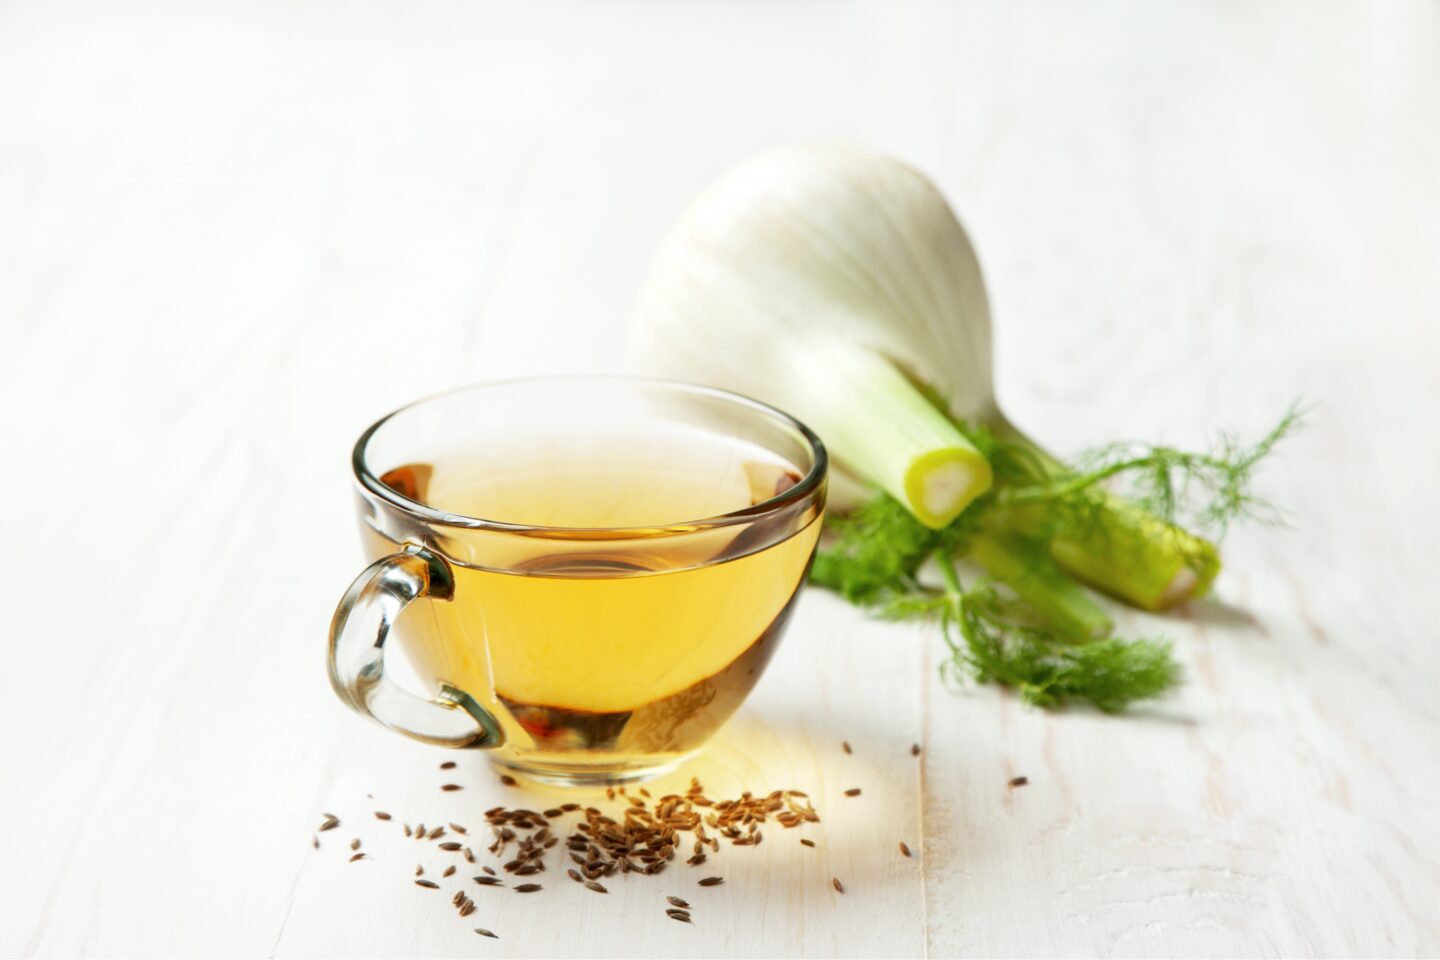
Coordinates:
(593,571)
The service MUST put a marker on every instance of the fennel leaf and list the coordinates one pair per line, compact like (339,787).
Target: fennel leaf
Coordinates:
(1207,490)
(878,548)
(873,561)
(995,647)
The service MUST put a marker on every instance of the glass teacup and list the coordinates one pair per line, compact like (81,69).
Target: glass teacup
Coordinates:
(593,571)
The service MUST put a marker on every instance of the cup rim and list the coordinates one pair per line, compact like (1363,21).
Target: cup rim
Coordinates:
(801,491)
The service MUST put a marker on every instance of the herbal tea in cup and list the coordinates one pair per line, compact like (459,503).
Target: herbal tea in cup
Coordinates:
(593,572)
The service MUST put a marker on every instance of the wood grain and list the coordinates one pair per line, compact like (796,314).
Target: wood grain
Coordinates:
(233,234)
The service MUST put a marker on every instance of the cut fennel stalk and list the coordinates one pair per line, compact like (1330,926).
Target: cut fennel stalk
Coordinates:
(878,425)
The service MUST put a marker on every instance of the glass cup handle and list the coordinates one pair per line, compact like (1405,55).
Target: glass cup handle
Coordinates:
(357,655)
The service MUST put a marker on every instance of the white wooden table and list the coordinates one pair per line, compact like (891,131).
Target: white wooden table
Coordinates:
(231,234)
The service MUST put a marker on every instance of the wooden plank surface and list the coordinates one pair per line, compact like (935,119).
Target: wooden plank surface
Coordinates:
(233,234)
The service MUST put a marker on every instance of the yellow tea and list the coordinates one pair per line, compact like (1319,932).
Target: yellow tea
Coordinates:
(605,651)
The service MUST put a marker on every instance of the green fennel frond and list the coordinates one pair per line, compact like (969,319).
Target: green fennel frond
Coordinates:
(873,559)
(1206,490)
(988,644)
(872,554)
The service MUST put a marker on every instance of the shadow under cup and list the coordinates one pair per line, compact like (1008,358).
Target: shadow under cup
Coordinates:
(593,572)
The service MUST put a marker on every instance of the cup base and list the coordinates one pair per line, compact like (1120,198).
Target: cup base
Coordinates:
(577,775)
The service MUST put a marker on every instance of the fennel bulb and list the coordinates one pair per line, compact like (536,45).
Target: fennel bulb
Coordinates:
(810,278)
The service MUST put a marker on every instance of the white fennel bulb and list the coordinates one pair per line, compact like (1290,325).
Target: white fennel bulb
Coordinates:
(830,281)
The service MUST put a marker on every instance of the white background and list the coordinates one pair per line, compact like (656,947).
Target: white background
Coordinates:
(232,234)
